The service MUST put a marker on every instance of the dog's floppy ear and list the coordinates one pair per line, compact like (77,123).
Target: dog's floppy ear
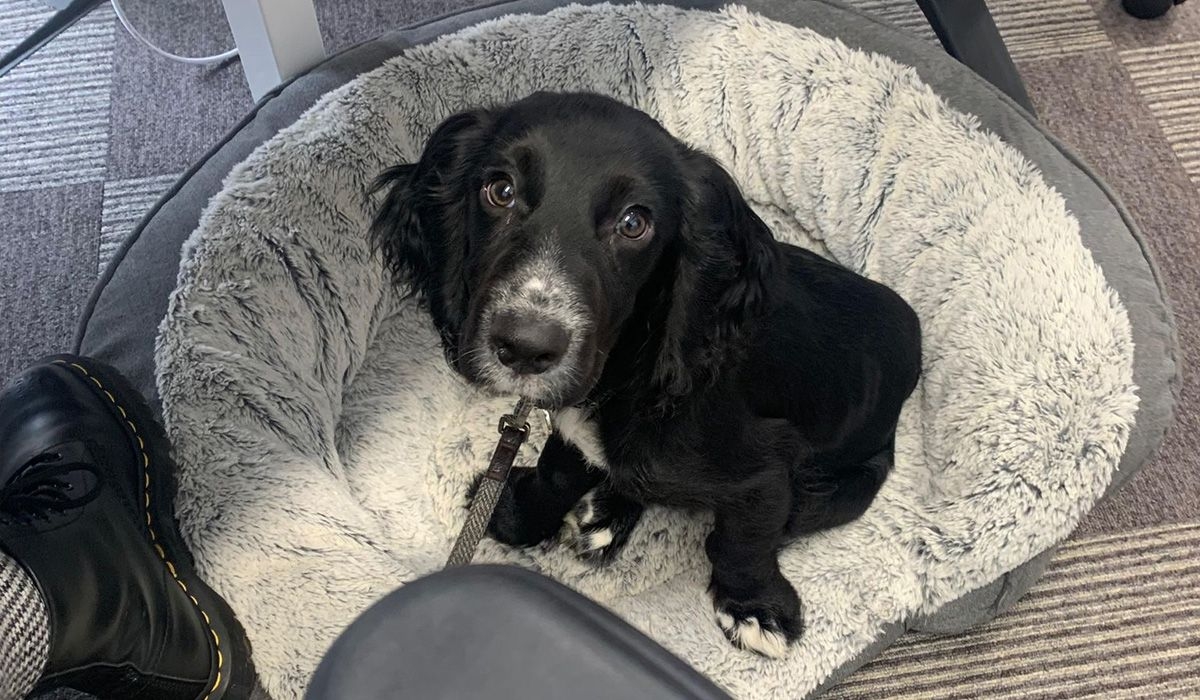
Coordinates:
(420,225)
(721,282)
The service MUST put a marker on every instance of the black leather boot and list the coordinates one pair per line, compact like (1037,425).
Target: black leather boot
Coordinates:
(86,507)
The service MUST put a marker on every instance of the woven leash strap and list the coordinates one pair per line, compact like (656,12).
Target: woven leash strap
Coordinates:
(514,428)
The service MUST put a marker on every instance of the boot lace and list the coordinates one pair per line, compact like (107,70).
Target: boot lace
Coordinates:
(47,486)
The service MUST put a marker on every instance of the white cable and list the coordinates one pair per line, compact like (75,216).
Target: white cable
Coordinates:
(196,61)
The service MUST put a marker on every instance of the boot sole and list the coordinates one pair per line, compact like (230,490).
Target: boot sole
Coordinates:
(234,677)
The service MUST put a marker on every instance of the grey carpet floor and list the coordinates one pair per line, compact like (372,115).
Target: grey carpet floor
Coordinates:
(95,127)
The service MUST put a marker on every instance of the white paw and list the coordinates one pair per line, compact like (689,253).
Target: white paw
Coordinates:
(748,634)
(593,540)
(578,518)
(584,512)
(579,528)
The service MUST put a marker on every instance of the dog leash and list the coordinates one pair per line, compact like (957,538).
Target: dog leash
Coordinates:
(514,429)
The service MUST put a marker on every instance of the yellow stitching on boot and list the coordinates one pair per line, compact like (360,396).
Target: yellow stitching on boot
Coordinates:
(153,537)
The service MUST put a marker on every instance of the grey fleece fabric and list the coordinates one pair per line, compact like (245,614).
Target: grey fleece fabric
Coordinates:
(325,449)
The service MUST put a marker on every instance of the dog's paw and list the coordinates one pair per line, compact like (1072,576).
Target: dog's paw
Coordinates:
(767,627)
(524,515)
(598,528)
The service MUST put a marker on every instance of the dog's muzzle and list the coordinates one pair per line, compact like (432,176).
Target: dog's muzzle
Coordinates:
(532,338)
(528,344)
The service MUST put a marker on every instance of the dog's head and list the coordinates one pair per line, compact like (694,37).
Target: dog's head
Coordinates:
(541,233)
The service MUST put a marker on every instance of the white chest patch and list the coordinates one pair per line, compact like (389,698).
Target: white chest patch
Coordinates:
(577,428)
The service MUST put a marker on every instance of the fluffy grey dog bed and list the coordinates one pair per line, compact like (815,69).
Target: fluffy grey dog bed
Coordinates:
(325,448)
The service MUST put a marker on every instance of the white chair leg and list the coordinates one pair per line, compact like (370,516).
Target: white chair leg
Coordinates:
(276,40)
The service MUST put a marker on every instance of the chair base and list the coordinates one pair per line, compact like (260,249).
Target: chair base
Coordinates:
(1149,9)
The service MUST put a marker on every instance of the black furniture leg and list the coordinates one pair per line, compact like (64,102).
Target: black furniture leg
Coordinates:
(499,632)
(1149,9)
(967,32)
(61,20)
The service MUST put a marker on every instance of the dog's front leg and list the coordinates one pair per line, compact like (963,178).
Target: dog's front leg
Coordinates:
(598,527)
(755,605)
(535,501)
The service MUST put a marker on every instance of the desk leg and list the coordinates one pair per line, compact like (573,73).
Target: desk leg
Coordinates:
(967,32)
(276,40)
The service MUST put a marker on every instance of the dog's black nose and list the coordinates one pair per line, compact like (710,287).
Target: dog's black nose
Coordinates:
(528,345)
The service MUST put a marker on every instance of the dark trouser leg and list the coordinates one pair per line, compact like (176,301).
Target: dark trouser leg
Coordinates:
(499,632)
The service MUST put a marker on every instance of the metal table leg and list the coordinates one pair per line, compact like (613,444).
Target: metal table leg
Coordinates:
(276,40)
(967,32)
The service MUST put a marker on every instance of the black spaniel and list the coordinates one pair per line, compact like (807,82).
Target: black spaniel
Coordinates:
(572,251)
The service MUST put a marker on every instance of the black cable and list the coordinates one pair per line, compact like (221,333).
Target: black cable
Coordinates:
(62,20)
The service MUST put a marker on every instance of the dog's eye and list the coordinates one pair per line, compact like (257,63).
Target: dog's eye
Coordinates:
(500,193)
(634,223)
